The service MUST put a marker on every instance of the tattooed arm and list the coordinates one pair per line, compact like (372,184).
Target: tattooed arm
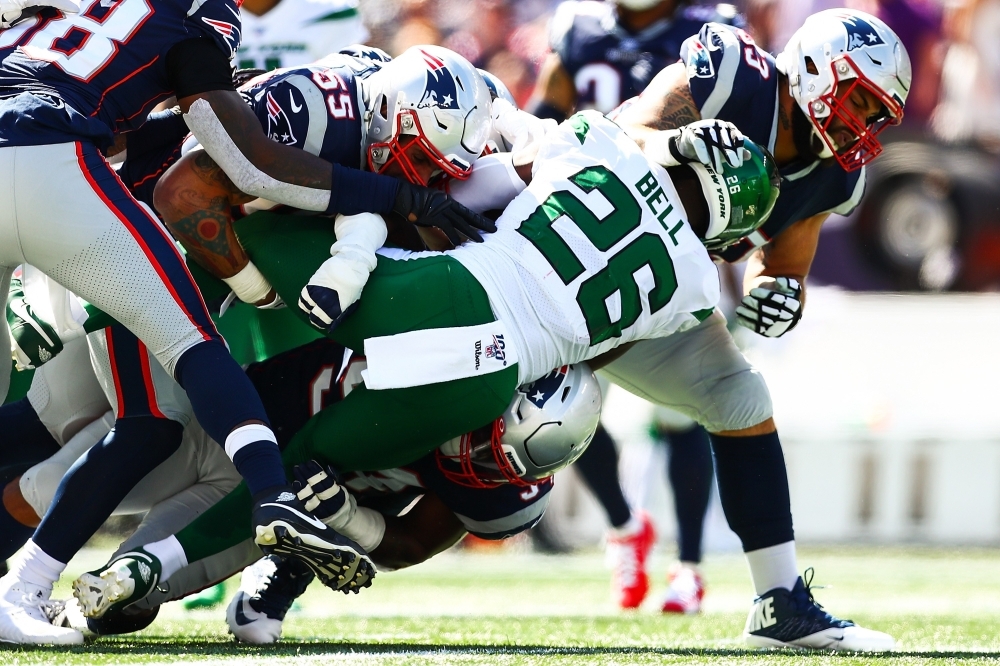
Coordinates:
(194,197)
(666,103)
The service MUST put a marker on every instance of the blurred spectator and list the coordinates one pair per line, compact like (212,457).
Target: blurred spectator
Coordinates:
(288,33)
(970,89)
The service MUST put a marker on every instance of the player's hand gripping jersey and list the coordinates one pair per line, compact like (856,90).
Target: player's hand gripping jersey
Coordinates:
(732,79)
(70,77)
(596,252)
(607,63)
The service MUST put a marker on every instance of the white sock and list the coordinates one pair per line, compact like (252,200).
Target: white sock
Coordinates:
(36,567)
(774,566)
(171,555)
(630,528)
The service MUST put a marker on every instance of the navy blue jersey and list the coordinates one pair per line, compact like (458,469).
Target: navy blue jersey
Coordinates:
(313,108)
(316,108)
(90,75)
(607,63)
(732,79)
(299,383)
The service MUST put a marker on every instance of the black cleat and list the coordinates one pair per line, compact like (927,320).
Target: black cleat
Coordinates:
(283,527)
(792,618)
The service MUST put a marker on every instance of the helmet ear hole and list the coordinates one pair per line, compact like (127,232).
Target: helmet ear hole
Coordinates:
(383,108)
(811,66)
(565,393)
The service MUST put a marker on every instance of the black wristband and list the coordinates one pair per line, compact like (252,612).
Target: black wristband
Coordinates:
(355,191)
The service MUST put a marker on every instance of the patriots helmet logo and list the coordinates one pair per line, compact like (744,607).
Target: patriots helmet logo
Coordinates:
(440,89)
(860,33)
(230,33)
(278,127)
(541,390)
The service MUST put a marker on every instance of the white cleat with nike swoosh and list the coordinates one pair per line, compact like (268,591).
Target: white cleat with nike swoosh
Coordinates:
(268,588)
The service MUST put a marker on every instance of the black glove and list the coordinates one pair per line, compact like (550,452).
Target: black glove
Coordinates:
(433,208)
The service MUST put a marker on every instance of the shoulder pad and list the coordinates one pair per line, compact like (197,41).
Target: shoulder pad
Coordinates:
(723,62)
(854,195)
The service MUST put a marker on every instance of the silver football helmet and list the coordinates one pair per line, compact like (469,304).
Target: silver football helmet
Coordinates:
(846,45)
(548,425)
(435,96)
(496,143)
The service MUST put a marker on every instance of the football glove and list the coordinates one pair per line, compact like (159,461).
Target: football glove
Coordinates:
(521,130)
(319,491)
(772,310)
(12,11)
(33,341)
(711,142)
(425,207)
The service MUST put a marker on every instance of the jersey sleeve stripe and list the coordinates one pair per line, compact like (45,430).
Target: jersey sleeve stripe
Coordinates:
(316,108)
(726,76)
(773,138)
(195,6)
(852,203)
(498,528)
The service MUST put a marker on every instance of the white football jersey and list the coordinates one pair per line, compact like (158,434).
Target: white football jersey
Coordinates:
(298,32)
(595,253)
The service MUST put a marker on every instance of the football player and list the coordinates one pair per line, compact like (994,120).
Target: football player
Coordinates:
(429,322)
(49,125)
(467,486)
(604,52)
(820,105)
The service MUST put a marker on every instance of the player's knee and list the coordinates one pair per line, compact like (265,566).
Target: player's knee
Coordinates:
(740,402)
(38,485)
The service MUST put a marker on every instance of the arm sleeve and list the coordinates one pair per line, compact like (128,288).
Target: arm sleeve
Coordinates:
(196,66)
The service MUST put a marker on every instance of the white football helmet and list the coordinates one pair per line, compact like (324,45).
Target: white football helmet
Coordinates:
(496,143)
(434,95)
(846,45)
(548,425)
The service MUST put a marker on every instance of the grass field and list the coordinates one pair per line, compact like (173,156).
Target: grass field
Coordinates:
(514,607)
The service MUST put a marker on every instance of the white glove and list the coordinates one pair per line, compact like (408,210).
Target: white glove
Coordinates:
(12,11)
(523,131)
(772,310)
(318,489)
(711,142)
(337,285)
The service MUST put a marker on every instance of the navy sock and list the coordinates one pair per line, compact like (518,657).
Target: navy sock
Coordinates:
(753,486)
(260,464)
(690,471)
(599,468)
(223,397)
(101,479)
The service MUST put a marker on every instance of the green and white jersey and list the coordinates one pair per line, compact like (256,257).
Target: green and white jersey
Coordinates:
(595,253)
(298,32)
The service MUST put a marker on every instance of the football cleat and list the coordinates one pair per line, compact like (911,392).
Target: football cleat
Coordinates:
(125,580)
(24,617)
(684,592)
(630,582)
(283,527)
(126,621)
(792,618)
(268,588)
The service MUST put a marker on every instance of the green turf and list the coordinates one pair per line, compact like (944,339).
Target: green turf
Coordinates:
(512,607)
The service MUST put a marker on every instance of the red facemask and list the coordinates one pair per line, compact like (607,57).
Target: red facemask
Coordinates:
(402,154)
(482,466)
(867,147)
